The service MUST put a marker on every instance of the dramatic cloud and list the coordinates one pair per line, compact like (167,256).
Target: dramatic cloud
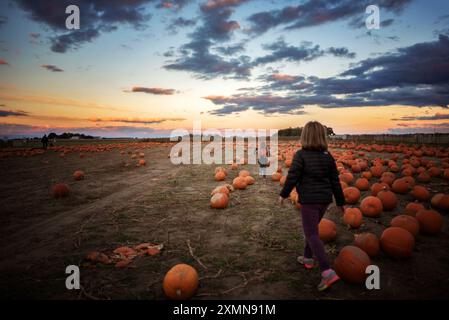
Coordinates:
(264,103)
(181,23)
(435,117)
(156,91)
(196,56)
(12,113)
(417,75)
(316,12)
(97,16)
(52,68)
(341,52)
(231,50)
(281,51)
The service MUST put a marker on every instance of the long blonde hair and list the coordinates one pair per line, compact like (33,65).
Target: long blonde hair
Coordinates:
(314,136)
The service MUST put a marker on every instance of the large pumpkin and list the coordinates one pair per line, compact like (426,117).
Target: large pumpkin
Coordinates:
(362,184)
(60,190)
(346,177)
(351,264)
(220,189)
(327,230)
(378,187)
(443,204)
(239,183)
(371,207)
(353,217)
(397,242)
(435,201)
(412,208)
(219,200)
(180,282)
(400,186)
(430,222)
(352,195)
(244,173)
(368,242)
(406,222)
(249,180)
(220,176)
(420,193)
(389,200)
(276,176)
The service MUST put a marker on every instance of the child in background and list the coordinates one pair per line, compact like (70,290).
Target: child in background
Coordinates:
(314,174)
(262,158)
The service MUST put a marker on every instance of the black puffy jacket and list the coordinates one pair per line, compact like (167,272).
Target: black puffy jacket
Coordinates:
(315,175)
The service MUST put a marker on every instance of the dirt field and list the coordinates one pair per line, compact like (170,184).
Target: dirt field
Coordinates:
(248,250)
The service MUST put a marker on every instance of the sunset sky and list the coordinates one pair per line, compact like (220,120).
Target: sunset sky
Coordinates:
(141,68)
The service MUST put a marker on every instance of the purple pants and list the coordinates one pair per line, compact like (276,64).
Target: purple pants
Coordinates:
(311,216)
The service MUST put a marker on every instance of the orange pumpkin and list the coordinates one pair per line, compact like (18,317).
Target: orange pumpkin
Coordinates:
(351,264)
(327,230)
(443,204)
(377,171)
(346,177)
(435,202)
(389,200)
(220,176)
(239,183)
(78,175)
(249,180)
(367,175)
(397,242)
(276,176)
(412,208)
(423,177)
(352,195)
(368,242)
(244,173)
(400,186)
(378,187)
(420,193)
(219,200)
(371,207)
(362,184)
(406,222)
(60,190)
(220,189)
(353,217)
(142,162)
(180,282)
(430,222)
(435,172)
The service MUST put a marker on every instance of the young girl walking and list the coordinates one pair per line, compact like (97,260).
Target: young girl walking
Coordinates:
(314,174)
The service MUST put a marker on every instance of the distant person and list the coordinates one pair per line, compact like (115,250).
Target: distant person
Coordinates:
(44,141)
(262,158)
(314,174)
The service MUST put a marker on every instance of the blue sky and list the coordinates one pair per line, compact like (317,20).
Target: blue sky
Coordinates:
(285,73)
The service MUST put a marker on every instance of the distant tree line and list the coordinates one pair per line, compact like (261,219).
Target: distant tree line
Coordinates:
(296,132)
(69,135)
